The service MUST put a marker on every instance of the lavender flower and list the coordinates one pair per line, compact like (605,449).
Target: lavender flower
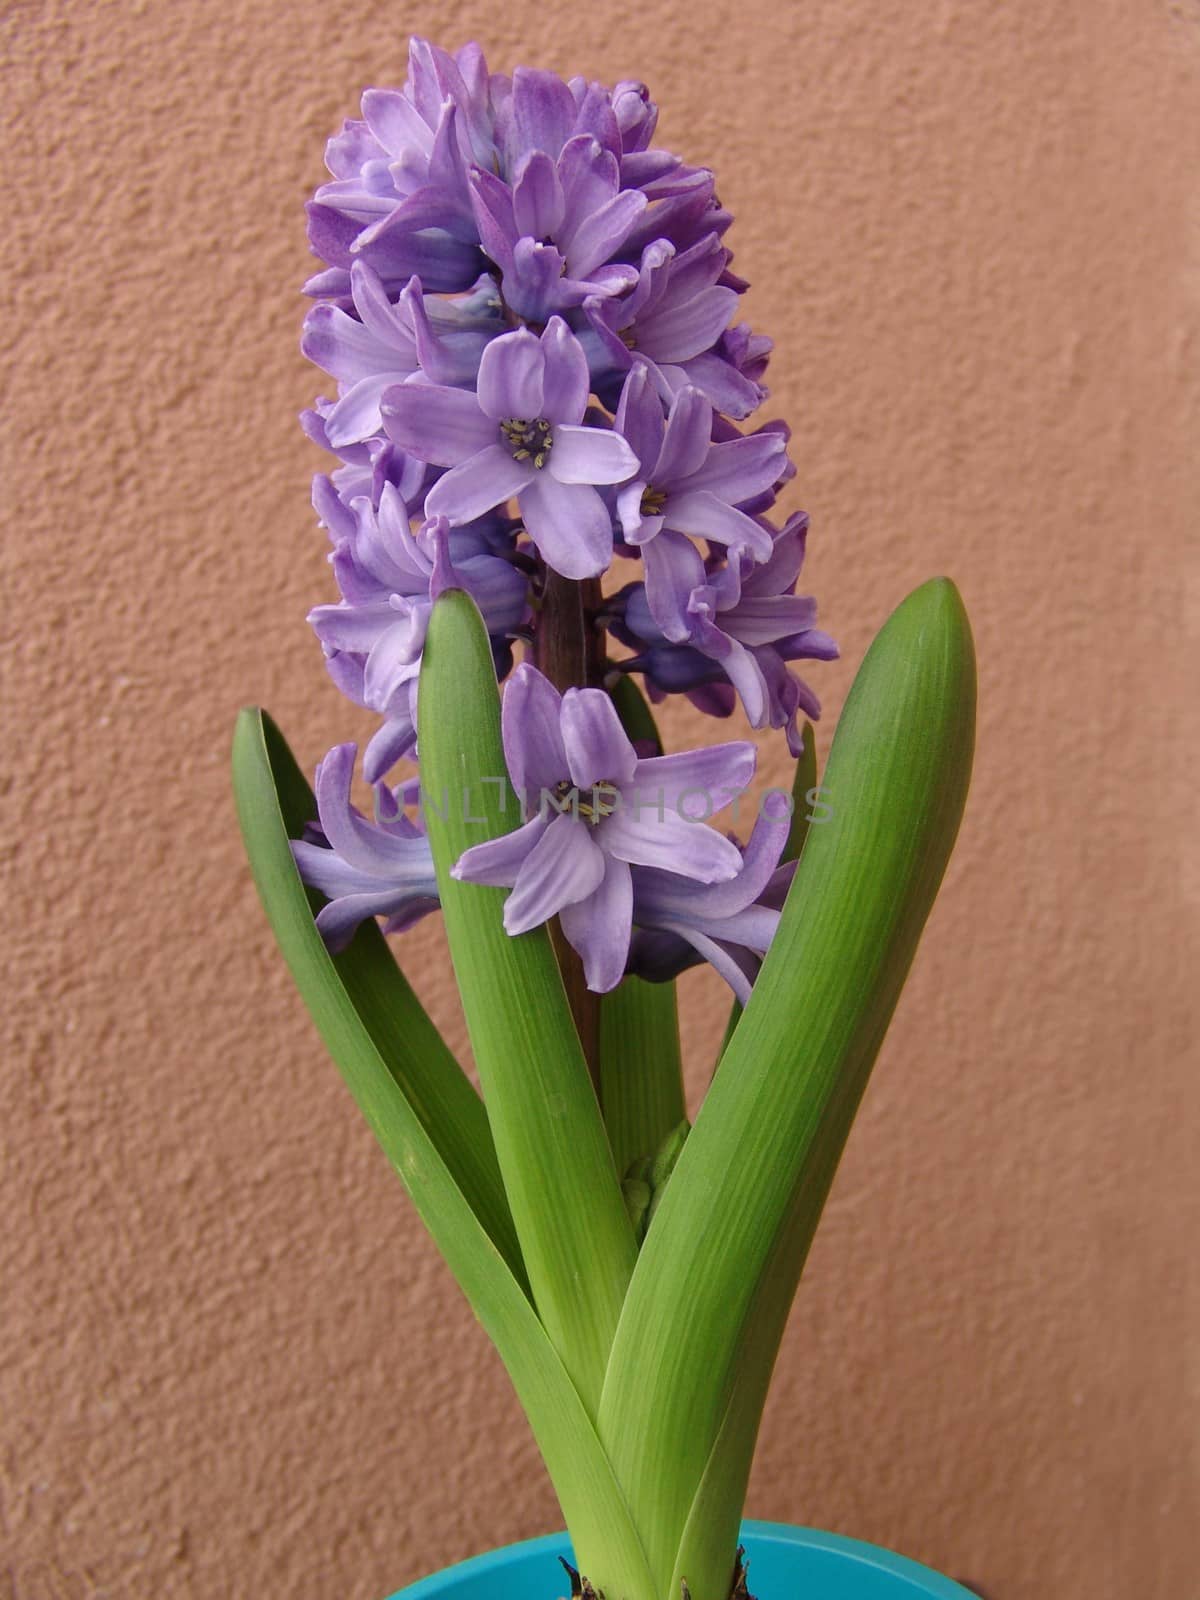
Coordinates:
(736,621)
(365,869)
(529,309)
(383,344)
(686,484)
(521,436)
(595,811)
(730,925)
(672,321)
(389,579)
(554,231)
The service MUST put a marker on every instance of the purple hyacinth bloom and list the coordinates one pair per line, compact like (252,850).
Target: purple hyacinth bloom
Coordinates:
(384,344)
(737,620)
(364,869)
(552,231)
(730,925)
(399,198)
(675,321)
(520,436)
(688,485)
(595,811)
(389,578)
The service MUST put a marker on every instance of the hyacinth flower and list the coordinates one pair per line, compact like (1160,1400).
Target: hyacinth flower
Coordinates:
(520,436)
(379,344)
(530,309)
(734,621)
(597,809)
(364,869)
(729,924)
(687,484)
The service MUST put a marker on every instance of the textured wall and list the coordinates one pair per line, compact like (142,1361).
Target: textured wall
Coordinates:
(232,1364)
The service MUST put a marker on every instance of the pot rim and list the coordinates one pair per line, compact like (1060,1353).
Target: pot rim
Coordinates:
(764,1535)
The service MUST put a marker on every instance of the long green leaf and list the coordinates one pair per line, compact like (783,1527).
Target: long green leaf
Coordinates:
(554,1155)
(368,1046)
(710,1534)
(274,804)
(897,780)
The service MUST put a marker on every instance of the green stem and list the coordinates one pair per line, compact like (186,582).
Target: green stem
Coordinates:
(640,1070)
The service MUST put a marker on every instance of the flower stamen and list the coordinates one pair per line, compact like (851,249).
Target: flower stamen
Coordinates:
(602,799)
(528,439)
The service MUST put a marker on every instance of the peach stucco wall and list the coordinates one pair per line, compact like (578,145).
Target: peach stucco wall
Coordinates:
(232,1364)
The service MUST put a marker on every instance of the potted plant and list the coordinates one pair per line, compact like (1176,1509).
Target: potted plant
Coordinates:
(529,312)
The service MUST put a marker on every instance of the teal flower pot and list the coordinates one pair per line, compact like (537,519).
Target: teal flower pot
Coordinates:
(783,1564)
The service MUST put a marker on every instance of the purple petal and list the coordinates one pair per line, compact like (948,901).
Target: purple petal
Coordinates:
(395,655)
(598,748)
(564,866)
(664,896)
(728,389)
(742,468)
(693,783)
(640,417)
(487,479)
(567,383)
(394,739)
(498,861)
(751,929)
(356,415)
(644,838)
(543,110)
(360,843)
(530,725)
(590,455)
(338,922)
(687,440)
(766,619)
(351,627)
(603,232)
(787,558)
(538,197)
(395,121)
(435,424)
(636,527)
(599,928)
(674,568)
(737,967)
(570,525)
(705,517)
(687,328)
(589,174)
(491,203)
(342,347)
(510,376)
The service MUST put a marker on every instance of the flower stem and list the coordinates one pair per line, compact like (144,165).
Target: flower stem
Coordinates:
(569,650)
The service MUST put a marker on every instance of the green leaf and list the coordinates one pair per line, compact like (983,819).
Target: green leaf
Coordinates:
(896,780)
(431,1150)
(562,1185)
(711,1531)
(361,990)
